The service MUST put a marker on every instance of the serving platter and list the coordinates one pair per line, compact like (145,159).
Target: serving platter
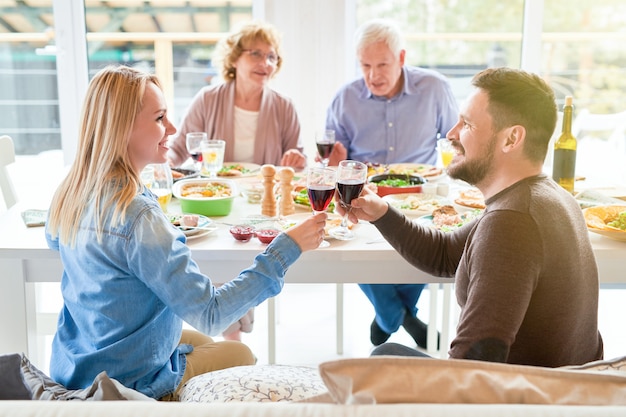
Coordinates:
(416,204)
(598,217)
(430,172)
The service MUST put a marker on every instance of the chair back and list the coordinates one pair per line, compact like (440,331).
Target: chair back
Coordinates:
(611,126)
(7,157)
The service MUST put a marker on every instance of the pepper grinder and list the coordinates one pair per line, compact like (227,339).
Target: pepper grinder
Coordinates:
(268,202)
(287,206)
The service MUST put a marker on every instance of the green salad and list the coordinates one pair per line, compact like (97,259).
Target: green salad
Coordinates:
(620,222)
(394,182)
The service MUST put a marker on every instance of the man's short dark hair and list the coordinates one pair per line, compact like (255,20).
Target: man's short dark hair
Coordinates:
(517,97)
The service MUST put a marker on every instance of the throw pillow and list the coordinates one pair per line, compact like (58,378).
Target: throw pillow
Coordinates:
(103,388)
(12,386)
(387,379)
(260,383)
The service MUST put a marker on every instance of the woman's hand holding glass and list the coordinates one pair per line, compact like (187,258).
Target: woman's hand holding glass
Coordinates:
(320,184)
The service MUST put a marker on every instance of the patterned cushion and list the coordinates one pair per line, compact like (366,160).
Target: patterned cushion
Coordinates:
(257,383)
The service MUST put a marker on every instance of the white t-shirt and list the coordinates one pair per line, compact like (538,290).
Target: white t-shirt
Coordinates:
(245,132)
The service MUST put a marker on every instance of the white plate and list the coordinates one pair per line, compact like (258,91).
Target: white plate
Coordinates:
(205,226)
(293,219)
(416,204)
(251,170)
(466,217)
(429,172)
(611,234)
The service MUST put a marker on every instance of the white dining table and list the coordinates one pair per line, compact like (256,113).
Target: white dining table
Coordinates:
(25,259)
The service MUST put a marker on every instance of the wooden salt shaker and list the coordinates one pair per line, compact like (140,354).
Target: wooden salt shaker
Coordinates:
(268,202)
(287,206)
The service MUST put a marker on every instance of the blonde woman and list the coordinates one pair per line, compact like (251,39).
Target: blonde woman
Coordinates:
(258,124)
(129,281)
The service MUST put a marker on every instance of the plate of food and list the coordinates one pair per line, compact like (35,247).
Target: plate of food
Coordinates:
(239,169)
(183,173)
(470,198)
(333,220)
(447,219)
(416,204)
(609,221)
(430,172)
(192,225)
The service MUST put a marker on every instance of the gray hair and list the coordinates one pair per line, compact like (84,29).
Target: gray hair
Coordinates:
(379,30)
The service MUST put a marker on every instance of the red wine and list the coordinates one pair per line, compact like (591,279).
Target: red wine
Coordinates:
(197,156)
(324,149)
(349,190)
(320,196)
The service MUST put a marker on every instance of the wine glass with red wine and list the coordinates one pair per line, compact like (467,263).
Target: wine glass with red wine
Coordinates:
(320,184)
(351,176)
(325,141)
(194,141)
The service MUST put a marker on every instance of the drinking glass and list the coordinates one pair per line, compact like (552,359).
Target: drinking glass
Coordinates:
(162,184)
(212,156)
(194,147)
(325,141)
(320,184)
(446,151)
(351,176)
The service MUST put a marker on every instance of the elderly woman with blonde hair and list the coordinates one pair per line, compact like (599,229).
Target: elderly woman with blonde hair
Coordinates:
(258,124)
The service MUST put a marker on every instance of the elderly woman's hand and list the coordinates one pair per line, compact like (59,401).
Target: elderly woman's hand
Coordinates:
(309,233)
(293,158)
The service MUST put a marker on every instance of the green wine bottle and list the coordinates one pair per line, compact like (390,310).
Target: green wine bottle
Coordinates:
(564,165)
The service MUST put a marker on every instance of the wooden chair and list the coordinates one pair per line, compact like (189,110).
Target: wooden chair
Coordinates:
(7,157)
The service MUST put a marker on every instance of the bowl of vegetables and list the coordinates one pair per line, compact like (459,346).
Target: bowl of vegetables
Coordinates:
(397,183)
(206,196)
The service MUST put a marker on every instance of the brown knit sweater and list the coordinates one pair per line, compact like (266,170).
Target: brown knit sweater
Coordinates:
(525,274)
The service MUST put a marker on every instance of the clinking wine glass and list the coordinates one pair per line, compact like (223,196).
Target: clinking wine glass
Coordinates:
(325,141)
(320,184)
(194,147)
(351,176)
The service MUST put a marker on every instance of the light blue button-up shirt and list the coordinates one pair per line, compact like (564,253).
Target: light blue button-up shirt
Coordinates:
(404,128)
(126,297)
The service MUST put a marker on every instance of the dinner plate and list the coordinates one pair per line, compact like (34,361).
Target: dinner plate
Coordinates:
(205,226)
(416,204)
(466,217)
(248,169)
(475,201)
(612,234)
(596,218)
(430,172)
(332,221)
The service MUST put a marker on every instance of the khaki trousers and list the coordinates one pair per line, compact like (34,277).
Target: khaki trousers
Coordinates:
(209,355)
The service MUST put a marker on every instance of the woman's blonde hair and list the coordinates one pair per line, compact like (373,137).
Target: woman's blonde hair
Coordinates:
(229,49)
(102,173)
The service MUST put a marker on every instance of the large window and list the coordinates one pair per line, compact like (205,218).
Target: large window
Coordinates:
(581,55)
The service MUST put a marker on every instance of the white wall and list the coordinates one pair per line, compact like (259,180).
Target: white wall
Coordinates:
(318,55)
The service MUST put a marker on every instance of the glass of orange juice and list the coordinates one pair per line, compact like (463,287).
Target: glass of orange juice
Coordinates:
(446,151)
(162,184)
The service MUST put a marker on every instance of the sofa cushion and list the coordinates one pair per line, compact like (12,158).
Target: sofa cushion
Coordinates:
(12,386)
(103,388)
(260,383)
(393,379)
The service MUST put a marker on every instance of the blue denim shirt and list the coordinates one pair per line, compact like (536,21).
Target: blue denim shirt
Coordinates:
(125,299)
(404,128)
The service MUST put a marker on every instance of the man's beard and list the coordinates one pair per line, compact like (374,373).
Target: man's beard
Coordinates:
(474,171)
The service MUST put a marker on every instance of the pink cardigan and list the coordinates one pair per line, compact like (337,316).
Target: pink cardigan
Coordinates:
(212,111)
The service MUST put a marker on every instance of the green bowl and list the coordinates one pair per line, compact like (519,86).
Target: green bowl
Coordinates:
(207,206)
